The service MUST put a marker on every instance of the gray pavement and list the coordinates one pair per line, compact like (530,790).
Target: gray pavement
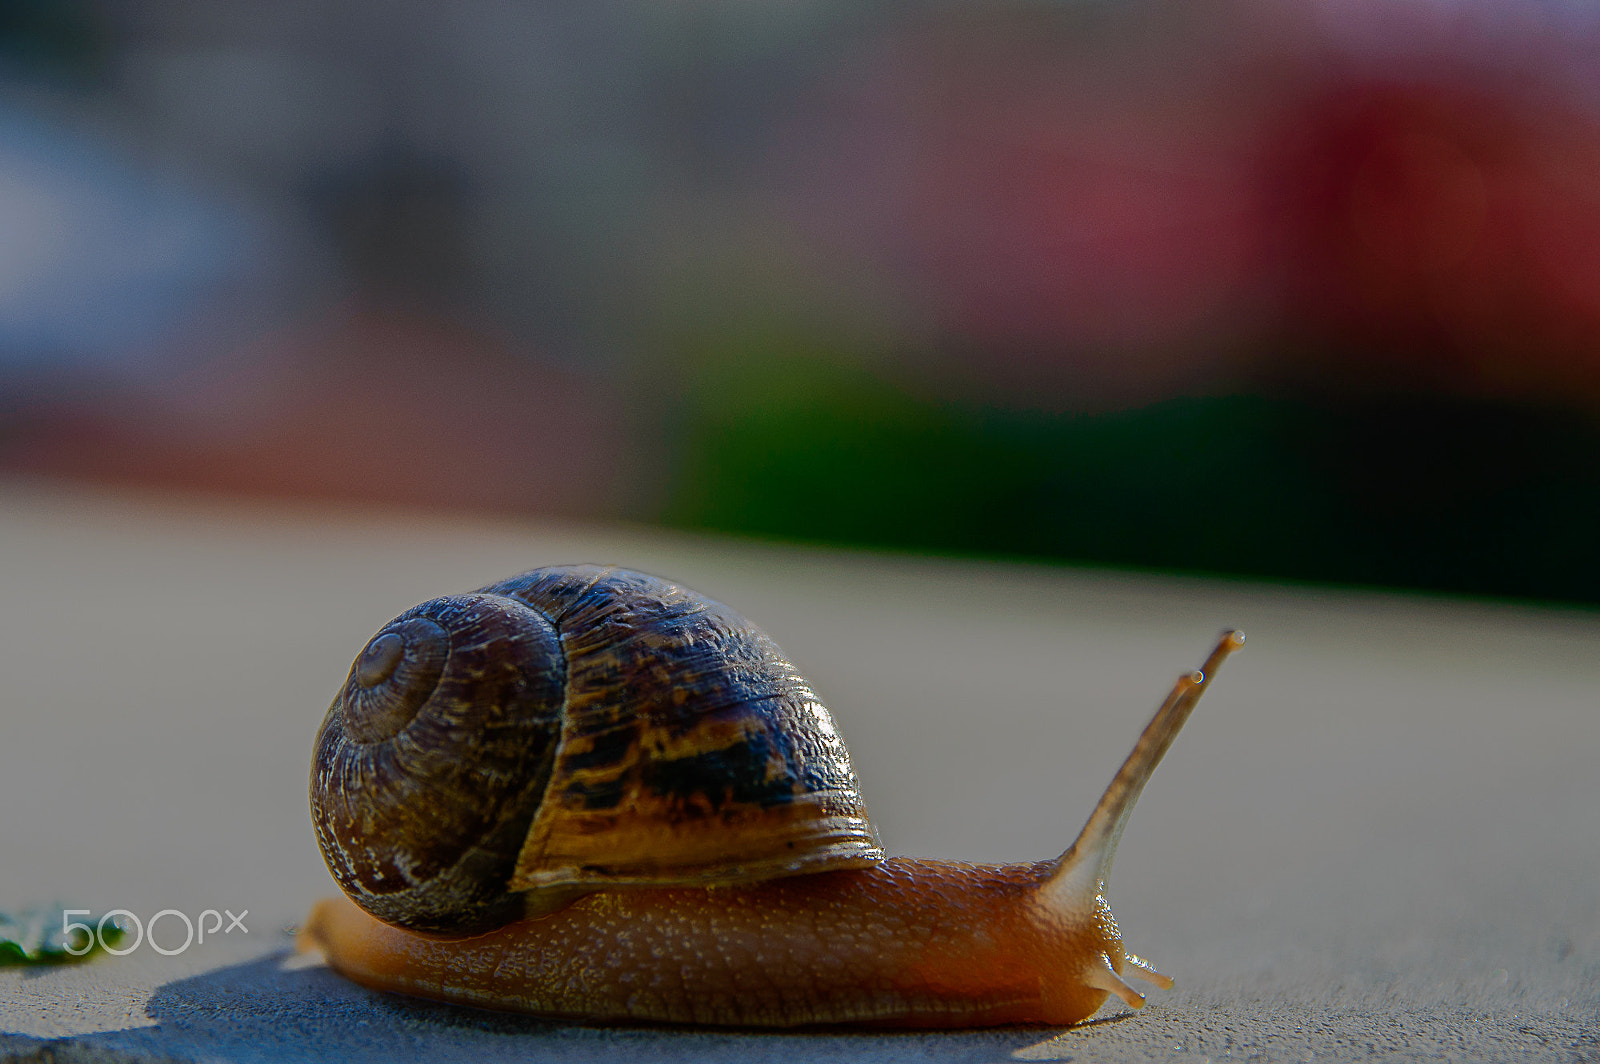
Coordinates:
(1379,837)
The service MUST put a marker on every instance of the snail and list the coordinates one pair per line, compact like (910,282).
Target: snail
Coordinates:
(591,794)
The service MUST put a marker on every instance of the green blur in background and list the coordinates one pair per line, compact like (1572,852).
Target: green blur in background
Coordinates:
(1427,493)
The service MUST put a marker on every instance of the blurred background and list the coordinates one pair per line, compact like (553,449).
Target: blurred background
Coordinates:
(1306,291)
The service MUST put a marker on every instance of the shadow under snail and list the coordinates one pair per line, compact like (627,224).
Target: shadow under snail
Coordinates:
(592,794)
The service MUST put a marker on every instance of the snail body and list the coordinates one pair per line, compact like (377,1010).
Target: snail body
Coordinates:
(664,827)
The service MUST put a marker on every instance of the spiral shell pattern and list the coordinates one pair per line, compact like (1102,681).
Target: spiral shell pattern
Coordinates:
(432,760)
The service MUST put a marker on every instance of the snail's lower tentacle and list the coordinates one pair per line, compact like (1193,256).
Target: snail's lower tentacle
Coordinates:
(1140,968)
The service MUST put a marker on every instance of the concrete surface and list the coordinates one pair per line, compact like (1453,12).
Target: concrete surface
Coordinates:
(1379,838)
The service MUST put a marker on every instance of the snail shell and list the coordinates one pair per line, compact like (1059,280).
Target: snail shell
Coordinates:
(495,755)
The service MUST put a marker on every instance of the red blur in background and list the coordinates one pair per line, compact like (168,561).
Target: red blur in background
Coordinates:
(1182,214)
